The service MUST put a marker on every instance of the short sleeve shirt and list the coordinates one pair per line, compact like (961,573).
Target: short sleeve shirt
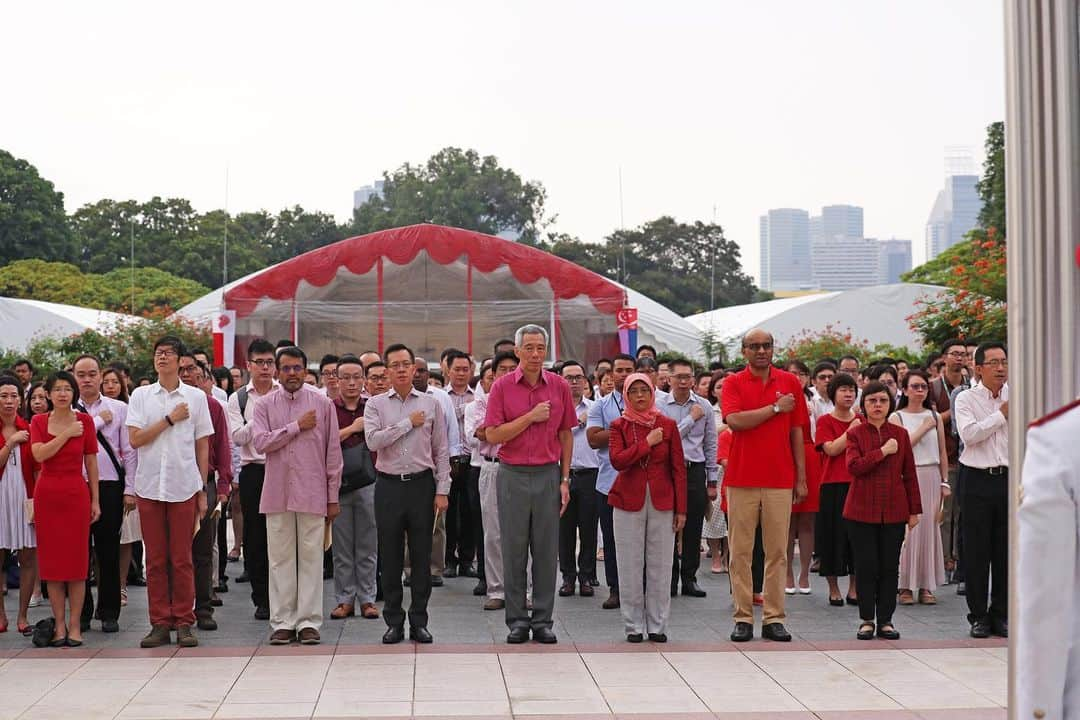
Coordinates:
(167,469)
(761,457)
(512,396)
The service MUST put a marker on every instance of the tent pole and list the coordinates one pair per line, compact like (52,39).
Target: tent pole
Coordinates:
(295,330)
(554,330)
(379,276)
(468,298)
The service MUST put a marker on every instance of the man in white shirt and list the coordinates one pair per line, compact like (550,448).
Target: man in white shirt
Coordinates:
(982,421)
(169,425)
(581,516)
(218,394)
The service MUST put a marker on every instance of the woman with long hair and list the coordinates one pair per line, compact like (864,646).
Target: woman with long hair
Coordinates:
(37,401)
(113,385)
(16,485)
(922,564)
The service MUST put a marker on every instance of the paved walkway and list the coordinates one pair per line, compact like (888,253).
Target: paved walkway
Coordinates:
(935,671)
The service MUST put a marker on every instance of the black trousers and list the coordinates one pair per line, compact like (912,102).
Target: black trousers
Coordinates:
(607,529)
(877,567)
(405,509)
(986,544)
(686,564)
(460,534)
(579,519)
(105,534)
(473,491)
(203,547)
(256,562)
(223,540)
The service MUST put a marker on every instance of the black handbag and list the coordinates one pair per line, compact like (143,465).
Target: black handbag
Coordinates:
(358,470)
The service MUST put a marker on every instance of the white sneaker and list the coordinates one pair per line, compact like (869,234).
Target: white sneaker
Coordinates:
(36,600)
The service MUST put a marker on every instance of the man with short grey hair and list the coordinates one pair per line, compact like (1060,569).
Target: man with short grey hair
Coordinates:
(531,414)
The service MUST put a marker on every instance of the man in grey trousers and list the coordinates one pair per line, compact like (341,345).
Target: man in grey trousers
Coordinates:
(531,415)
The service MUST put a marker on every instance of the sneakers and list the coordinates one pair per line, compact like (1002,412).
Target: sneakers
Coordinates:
(186,638)
(158,636)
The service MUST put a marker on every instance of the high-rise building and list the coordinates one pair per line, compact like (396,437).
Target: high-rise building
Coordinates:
(844,263)
(841,221)
(955,213)
(367,192)
(785,250)
(895,259)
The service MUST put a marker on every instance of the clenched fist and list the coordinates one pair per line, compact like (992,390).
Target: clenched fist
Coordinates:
(307,420)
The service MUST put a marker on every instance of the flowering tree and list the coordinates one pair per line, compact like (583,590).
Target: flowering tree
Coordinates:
(832,342)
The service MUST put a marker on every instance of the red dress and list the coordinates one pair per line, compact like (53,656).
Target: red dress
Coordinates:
(813,474)
(62,503)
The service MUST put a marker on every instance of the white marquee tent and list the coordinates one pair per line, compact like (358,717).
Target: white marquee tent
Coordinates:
(877,314)
(24,321)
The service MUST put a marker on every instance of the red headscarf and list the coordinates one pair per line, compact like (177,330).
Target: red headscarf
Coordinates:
(648,416)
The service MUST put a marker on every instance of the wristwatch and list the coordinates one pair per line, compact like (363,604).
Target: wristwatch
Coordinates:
(776,408)
(566,479)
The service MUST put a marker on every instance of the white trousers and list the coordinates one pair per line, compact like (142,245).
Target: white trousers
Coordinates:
(294,543)
(489,513)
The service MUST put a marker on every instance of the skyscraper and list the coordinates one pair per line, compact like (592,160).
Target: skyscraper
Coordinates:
(895,259)
(843,263)
(955,213)
(367,192)
(785,250)
(841,221)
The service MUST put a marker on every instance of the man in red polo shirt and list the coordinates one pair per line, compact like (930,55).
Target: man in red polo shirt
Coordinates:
(765,410)
(531,414)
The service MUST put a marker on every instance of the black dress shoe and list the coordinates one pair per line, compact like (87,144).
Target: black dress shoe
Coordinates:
(544,635)
(221,587)
(674,588)
(241,578)
(84,624)
(634,637)
(999,628)
(480,589)
(436,581)
(775,631)
(262,613)
(566,589)
(137,581)
(961,588)
(467,569)
(110,626)
(594,582)
(980,629)
(691,588)
(887,632)
(658,637)
(393,635)
(450,571)
(518,635)
(420,635)
(743,632)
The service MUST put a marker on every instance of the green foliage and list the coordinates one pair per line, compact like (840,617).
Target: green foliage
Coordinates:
(32,219)
(130,341)
(939,270)
(713,348)
(155,290)
(458,188)
(669,261)
(991,186)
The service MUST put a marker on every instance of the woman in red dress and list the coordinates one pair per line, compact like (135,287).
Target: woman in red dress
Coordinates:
(65,503)
(804,513)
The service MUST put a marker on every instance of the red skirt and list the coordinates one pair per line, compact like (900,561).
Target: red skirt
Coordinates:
(62,521)
(813,482)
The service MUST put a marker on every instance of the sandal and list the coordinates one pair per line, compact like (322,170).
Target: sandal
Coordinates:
(836,601)
(927,598)
(906,598)
(866,631)
(888,632)
(123,597)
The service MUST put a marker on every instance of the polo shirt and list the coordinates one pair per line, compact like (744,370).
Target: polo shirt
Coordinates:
(761,457)
(511,397)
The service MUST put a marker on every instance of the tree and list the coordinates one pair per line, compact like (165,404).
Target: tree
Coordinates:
(457,188)
(296,231)
(32,218)
(991,186)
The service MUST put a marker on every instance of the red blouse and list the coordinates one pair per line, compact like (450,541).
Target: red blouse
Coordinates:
(834,467)
(662,466)
(884,489)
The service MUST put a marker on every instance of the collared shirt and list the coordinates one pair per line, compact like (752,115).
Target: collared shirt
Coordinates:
(602,413)
(240,425)
(762,456)
(819,407)
(167,468)
(512,396)
(303,467)
(474,420)
(983,427)
(220,446)
(402,449)
(116,433)
(698,436)
(460,402)
(584,458)
(220,395)
(347,417)
(453,432)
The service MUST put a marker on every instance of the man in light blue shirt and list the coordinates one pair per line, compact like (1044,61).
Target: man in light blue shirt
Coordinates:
(601,415)
(697,428)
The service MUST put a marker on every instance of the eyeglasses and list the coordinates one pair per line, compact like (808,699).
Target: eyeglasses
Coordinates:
(825,377)
(574,378)
(287,369)
(876,401)
(918,387)
(757,347)
(164,353)
(957,354)
(185,369)
(376,378)
(263,362)
(400,366)
(996,362)
(329,373)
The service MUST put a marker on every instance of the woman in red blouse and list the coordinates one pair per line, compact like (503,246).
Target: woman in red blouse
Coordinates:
(649,501)
(833,545)
(882,502)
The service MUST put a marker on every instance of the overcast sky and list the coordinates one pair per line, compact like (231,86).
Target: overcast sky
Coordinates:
(741,106)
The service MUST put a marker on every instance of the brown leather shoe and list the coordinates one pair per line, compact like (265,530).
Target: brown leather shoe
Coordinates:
(158,636)
(369,611)
(342,611)
(186,638)
(586,589)
(309,636)
(613,600)
(282,637)
(494,604)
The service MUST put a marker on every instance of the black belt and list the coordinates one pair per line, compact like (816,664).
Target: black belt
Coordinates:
(692,463)
(460,459)
(405,477)
(583,471)
(490,459)
(996,470)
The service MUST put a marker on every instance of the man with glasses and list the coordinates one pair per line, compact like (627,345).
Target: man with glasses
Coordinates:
(953,379)
(297,429)
(982,415)
(581,515)
(766,474)
(328,379)
(696,421)
(376,379)
(169,425)
(241,410)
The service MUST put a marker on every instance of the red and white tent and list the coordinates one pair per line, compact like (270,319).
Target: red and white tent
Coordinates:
(431,287)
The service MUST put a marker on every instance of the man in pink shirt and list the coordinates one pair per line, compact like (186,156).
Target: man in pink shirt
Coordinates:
(297,428)
(531,414)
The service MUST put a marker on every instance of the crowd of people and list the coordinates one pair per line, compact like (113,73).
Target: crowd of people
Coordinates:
(384,473)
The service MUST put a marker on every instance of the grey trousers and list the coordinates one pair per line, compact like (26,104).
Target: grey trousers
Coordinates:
(645,539)
(529,521)
(356,546)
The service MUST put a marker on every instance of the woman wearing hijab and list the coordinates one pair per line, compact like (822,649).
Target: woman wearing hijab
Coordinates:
(649,501)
